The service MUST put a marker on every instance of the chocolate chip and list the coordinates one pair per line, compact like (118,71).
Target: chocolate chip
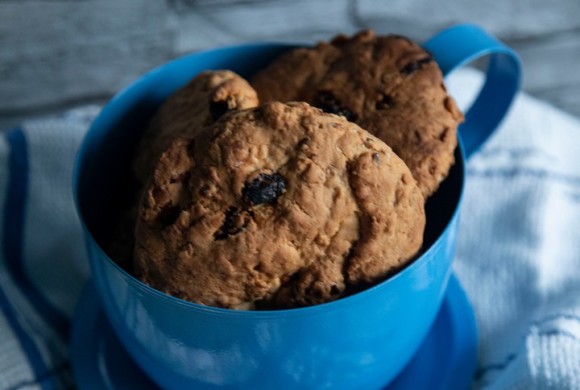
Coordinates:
(376,158)
(385,101)
(264,189)
(235,221)
(327,102)
(415,65)
(218,108)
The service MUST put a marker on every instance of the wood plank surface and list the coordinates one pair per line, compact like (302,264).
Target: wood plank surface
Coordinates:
(61,53)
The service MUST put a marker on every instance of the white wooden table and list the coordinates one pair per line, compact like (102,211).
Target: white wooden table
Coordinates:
(61,53)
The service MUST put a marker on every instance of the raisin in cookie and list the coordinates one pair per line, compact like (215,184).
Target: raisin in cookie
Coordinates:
(388,85)
(274,207)
(198,104)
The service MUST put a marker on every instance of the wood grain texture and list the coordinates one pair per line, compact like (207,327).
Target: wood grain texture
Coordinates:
(61,53)
(507,19)
(238,21)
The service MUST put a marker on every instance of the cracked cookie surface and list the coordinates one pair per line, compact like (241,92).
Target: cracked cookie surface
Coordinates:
(275,207)
(388,85)
(198,104)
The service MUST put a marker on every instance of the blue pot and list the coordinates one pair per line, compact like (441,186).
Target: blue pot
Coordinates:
(361,341)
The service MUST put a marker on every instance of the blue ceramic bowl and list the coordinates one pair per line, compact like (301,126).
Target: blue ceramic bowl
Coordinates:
(361,341)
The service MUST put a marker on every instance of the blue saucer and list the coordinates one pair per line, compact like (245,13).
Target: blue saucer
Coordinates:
(446,359)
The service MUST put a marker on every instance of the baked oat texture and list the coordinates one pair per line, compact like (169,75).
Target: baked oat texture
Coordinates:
(388,85)
(196,105)
(185,113)
(276,207)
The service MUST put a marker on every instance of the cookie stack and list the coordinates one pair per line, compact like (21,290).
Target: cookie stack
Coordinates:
(306,185)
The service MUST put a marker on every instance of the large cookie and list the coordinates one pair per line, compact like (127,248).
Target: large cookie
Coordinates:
(278,206)
(388,85)
(196,105)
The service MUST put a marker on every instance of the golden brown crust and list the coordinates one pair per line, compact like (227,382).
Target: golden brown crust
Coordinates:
(278,206)
(388,85)
(191,108)
(185,113)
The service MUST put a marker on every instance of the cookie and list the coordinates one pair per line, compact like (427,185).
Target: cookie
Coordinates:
(388,85)
(198,104)
(275,207)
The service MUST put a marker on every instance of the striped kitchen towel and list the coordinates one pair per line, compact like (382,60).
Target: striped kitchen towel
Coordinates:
(43,264)
(518,247)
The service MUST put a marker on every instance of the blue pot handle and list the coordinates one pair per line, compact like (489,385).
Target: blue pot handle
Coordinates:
(460,45)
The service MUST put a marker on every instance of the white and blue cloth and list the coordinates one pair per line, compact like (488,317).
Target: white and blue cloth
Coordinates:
(518,251)
(43,263)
